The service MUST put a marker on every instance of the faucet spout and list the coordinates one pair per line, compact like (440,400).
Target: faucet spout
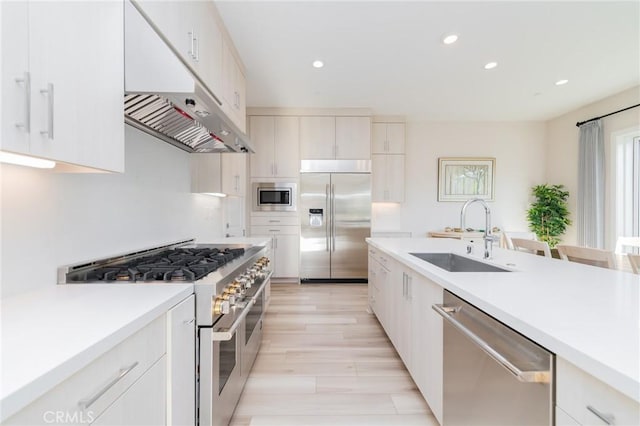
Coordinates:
(488,238)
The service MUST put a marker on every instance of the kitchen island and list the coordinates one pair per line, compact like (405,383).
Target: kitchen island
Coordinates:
(586,316)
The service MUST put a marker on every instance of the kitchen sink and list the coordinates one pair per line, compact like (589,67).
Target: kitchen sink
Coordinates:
(455,263)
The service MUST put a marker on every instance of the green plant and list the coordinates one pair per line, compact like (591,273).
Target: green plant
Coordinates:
(549,215)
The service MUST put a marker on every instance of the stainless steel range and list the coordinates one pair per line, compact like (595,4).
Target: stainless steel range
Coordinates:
(229,282)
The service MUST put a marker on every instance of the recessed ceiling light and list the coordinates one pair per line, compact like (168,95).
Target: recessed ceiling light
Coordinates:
(490,65)
(450,39)
(318,64)
(561,82)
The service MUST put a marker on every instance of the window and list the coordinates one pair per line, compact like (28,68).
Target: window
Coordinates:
(627,186)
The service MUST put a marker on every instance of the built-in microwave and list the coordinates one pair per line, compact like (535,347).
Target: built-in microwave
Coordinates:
(274,196)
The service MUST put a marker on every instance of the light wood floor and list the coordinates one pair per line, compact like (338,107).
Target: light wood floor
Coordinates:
(325,360)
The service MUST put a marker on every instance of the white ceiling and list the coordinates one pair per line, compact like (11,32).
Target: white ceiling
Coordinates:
(388,56)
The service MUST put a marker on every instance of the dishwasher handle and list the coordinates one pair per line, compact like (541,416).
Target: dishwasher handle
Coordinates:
(447,312)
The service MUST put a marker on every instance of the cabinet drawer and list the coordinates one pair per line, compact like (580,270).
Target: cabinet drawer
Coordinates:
(274,220)
(275,229)
(85,395)
(581,396)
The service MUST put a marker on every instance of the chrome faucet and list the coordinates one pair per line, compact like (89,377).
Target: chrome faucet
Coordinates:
(488,237)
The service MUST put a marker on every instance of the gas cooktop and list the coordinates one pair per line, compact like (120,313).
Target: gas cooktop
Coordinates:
(185,263)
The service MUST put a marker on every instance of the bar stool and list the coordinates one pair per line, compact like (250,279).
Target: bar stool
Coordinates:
(634,260)
(587,256)
(531,246)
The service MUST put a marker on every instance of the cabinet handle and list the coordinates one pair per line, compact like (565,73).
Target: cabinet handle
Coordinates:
(386,146)
(189,322)
(26,80)
(192,39)
(88,402)
(274,230)
(607,418)
(49,93)
(275,165)
(274,220)
(237,186)
(197,48)
(275,240)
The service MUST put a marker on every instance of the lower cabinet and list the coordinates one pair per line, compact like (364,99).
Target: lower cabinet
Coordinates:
(143,403)
(181,363)
(401,299)
(125,386)
(427,342)
(583,399)
(285,243)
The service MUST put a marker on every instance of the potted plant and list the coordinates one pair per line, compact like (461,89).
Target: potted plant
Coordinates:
(549,215)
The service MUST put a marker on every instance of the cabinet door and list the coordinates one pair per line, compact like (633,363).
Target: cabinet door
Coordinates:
(16,113)
(241,105)
(262,131)
(379,138)
(234,170)
(287,257)
(317,138)
(387,178)
(427,344)
(68,76)
(144,403)
(353,138)
(206,176)
(208,45)
(395,138)
(287,147)
(181,363)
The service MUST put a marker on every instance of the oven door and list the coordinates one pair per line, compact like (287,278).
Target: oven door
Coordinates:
(253,330)
(220,375)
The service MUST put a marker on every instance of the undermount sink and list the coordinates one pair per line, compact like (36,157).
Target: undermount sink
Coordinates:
(454,263)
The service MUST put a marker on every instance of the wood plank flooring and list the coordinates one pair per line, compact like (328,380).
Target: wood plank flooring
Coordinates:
(325,360)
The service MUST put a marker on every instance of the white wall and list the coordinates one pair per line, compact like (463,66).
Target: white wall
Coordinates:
(51,219)
(562,147)
(519,149)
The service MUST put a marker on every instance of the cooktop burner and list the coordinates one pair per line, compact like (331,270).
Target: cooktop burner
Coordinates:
(181,264)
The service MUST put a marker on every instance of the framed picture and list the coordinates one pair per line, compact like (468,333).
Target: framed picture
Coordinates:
(460,179)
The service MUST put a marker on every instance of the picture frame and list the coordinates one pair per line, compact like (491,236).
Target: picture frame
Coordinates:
(462,178)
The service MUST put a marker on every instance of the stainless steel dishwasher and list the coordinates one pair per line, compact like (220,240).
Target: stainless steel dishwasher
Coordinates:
(492,374)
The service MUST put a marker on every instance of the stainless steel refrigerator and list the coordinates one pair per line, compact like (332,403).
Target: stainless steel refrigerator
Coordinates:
(335,219)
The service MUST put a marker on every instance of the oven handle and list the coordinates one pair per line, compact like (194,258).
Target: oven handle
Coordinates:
(227,334)
(447,312)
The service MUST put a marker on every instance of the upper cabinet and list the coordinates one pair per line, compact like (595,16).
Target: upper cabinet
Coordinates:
(275,141)
(335,138)
(219,174)
(195,31)
(388,138)
(234,174)
(234,87)
(59,101)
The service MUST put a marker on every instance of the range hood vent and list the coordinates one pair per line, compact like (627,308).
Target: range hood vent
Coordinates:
(157,115)
(165,98)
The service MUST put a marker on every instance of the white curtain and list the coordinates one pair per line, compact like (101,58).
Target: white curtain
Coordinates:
(591,185)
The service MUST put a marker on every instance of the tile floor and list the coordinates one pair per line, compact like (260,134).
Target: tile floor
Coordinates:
(325,361)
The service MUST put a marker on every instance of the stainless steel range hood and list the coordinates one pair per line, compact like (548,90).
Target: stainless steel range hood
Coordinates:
(165,99)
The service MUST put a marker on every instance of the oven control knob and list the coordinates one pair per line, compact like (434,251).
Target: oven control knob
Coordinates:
(245,282)
(221,306)
(229,296)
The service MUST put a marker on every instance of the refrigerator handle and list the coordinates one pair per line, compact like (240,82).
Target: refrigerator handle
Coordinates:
(333,217)
(327,216)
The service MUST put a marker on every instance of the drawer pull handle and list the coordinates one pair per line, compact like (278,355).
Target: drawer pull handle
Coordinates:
(88,402)
(189,322)
(607,418)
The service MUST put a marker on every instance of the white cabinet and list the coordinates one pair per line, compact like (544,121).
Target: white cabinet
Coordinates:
(275,140)
(285,243)
(353,138)
(191,29)
(143,403)
(427,342)
(127,385)
(233,87)
(50,83)
(219,174)
(588,401)
(181,363)
(331,138)
(400,312)
(388,138)
(234,174)
(380,288)
(387,173)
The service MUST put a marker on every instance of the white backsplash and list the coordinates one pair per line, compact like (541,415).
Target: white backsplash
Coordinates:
(51,219)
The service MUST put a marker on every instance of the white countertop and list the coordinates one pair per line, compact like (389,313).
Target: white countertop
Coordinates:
(584,314)
(50,334)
